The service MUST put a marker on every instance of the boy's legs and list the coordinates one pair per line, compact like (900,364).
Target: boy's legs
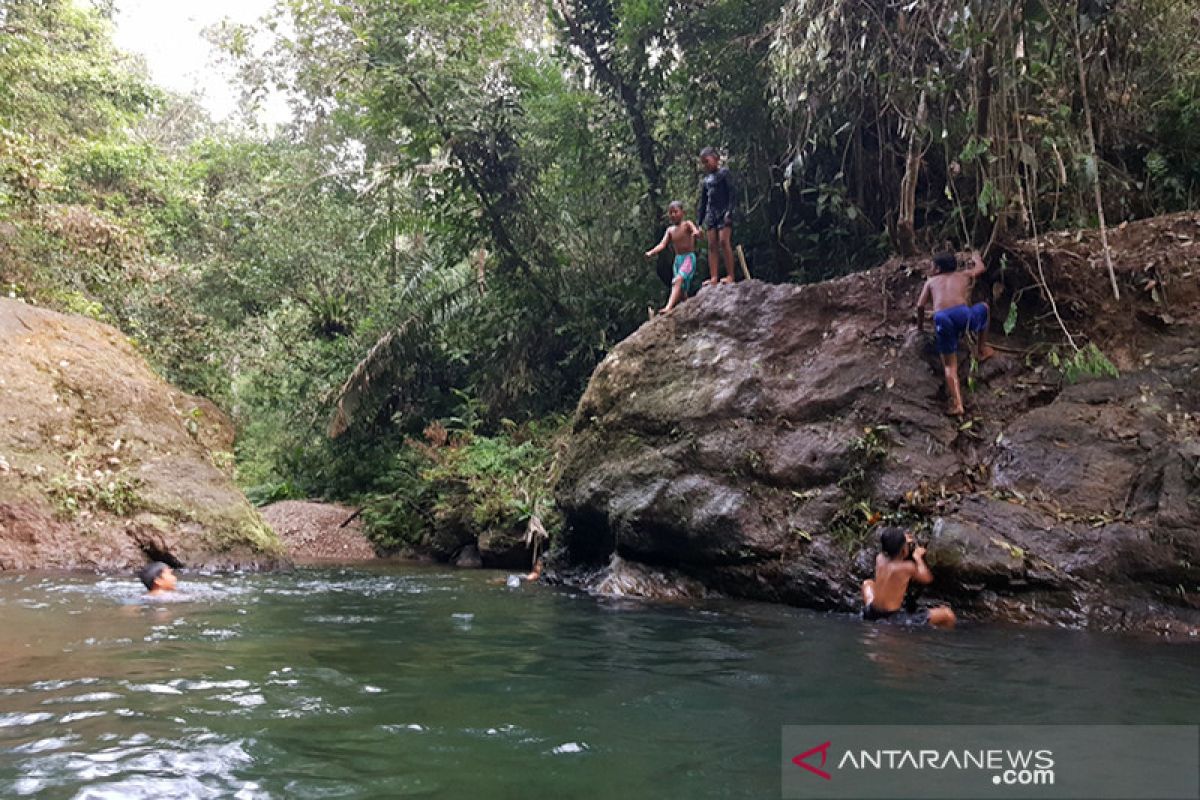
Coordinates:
(676,291)
(714,245)
(942,617)
(982,350)
(725,234)
(950,370)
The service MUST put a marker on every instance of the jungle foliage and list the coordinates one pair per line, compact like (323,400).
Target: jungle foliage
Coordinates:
(451,226)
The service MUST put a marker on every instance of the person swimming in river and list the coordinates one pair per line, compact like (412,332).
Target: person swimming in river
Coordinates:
(715,212)
(682,235)
(899,562)
(158,578)
(514,580)
(948,290)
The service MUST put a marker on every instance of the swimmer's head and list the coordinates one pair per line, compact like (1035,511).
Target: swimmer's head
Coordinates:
(945,262)
(710,160)
(675,212)
(892,542)
(158,577)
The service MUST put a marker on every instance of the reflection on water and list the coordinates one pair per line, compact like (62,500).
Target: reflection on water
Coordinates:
(401,681)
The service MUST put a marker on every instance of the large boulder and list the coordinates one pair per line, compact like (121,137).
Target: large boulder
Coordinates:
(755,439)
(103,464)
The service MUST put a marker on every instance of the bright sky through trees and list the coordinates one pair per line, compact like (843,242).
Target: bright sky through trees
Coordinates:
(170,35)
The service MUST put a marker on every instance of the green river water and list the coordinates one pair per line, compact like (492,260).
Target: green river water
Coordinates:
(401,681)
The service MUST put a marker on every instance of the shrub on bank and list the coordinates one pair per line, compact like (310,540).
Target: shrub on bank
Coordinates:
(458,488)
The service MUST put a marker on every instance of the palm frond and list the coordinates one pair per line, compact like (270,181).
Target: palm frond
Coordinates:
(431,297)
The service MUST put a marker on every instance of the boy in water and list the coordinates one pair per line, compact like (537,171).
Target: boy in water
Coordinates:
(715,212)
(949,291)
(899,562)
(158,578)
(682,236)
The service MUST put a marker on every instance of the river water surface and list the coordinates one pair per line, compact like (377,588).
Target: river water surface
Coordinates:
(400,681)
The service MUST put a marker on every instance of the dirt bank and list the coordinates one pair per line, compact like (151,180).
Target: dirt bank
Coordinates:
(755,440)
(318,532)
(103,464)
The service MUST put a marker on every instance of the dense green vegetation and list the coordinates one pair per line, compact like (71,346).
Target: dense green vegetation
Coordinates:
(456,487)
(451,227)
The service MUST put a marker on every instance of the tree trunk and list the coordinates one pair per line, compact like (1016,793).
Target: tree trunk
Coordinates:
(627,94)
(906,235)
(393,251)
(1091,140)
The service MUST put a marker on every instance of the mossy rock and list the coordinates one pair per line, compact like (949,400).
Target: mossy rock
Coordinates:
(86,420)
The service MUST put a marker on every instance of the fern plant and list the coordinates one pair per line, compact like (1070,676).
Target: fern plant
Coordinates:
(399,359)
(1084,362)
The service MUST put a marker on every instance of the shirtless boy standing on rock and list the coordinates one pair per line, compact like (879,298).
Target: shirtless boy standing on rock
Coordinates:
(949,291)
(682,236)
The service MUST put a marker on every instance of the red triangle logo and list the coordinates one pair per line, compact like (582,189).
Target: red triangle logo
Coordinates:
(802,760)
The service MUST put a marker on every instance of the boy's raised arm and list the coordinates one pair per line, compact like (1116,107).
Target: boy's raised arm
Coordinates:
(922,573)
(658,248)
(921,302)
(977,265)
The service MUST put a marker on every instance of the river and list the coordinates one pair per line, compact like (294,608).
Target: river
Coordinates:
(399,681)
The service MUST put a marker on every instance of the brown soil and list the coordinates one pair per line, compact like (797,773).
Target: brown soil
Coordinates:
(1157,266)
(315,532)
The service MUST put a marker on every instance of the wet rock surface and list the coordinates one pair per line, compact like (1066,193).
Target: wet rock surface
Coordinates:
(755,440)
(103,464)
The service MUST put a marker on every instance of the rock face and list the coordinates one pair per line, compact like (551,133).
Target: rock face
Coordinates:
(755,440)
(103,464)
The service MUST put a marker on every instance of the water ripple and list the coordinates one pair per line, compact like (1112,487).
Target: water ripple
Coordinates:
(385,682)
(23,720)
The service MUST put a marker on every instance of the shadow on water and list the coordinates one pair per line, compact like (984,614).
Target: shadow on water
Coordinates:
(402,681)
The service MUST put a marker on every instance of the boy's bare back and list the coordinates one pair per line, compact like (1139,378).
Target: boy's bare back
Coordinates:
(891,582)
(950,289)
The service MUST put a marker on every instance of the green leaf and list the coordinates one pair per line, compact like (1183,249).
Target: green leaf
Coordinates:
(1010,321)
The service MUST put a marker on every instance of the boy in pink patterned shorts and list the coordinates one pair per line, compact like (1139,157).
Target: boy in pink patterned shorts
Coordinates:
(682,236)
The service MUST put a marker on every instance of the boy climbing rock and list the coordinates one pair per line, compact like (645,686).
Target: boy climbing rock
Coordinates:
(899,562)
(682,236)
(949,291)
(715,211)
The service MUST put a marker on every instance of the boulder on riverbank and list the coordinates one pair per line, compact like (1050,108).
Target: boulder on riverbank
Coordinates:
(755,440)
(103,464)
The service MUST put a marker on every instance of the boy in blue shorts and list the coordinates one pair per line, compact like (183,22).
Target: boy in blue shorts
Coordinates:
(682,236)
(948,290)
